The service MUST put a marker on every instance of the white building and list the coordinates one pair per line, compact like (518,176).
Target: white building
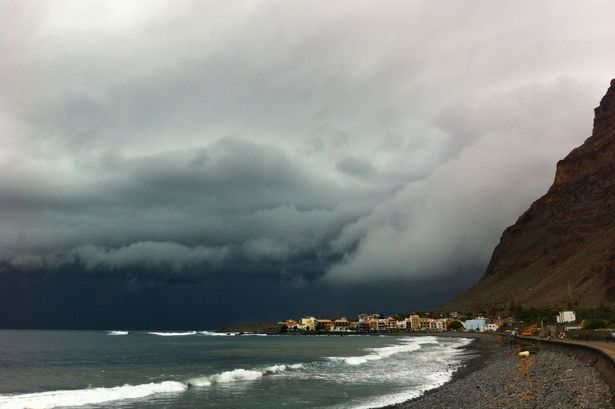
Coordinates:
(566,316)
(477,324)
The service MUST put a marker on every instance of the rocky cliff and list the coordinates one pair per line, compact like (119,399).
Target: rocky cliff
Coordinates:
(562,249)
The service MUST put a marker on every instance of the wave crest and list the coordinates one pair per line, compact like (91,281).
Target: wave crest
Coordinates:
(117,332)
(379,353)
(228,334)
(241,375)
(80,397)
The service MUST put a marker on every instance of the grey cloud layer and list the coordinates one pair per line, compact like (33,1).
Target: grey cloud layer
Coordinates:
(351,142)
(179,210)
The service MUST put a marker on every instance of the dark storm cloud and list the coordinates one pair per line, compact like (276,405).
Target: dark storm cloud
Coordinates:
(356,142)
(193,212)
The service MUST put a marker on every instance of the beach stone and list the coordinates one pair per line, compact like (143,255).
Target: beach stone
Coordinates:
(543,380)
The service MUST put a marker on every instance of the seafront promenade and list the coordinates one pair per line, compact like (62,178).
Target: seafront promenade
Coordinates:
(605,347)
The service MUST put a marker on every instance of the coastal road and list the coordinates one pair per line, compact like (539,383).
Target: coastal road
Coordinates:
(605,347)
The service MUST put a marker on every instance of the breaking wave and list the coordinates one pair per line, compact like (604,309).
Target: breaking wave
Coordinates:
(241,375)
(376,354)
(228,334)
(217,334)
(207,333)
(435,381)
(80,397)
(117,332)
(92,396)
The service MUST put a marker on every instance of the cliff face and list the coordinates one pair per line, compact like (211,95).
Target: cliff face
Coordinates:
(562,249)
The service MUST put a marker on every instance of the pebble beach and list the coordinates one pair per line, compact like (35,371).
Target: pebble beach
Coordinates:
(499,378)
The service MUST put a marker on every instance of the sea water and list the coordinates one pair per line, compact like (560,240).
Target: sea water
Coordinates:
(203,369)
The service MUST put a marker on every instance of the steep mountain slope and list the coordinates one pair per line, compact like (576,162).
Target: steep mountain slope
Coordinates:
(562,249)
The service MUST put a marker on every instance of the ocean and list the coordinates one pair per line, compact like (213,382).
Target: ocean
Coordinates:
(202,369)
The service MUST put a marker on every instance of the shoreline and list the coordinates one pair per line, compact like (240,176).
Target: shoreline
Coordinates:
(498,378)
(484,351)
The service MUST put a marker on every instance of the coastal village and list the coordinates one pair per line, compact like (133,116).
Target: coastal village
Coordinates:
(368,323)
(453,321)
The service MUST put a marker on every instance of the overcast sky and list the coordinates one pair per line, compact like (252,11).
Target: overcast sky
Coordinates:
(299,145)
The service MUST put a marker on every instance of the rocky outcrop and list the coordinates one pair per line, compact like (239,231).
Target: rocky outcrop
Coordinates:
(562,249)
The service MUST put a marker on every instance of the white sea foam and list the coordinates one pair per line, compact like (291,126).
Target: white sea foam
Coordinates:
(172,334)
(389,399)
(274,369)
(117,332)
(429,377)
(377,354)
(92,396)
(80,397)
(227,334)
(435,380)
(217,334)
(241,375)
